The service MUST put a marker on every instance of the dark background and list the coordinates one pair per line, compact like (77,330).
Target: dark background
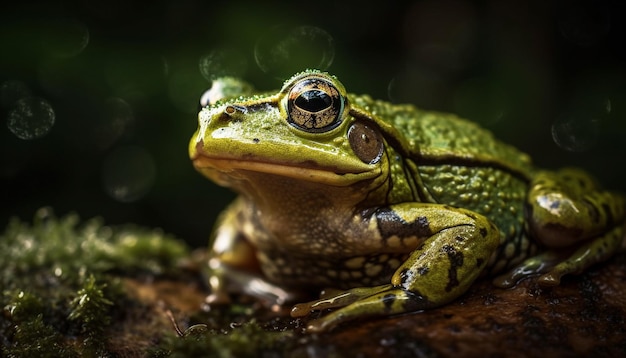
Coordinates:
(123,80)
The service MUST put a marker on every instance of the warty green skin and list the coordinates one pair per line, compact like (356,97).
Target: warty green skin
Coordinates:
(400,207)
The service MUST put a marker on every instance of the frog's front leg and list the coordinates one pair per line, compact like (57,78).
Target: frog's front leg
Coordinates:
(455,247)
(233,266)
(578,224)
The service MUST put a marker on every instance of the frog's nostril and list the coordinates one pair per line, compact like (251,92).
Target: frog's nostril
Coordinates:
(231,110)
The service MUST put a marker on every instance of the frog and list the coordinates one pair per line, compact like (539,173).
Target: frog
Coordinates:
(383,208)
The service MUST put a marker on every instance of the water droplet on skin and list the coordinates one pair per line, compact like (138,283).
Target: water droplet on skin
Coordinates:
(30,118)
(128,173)
(222,63)
(284,51)
(11,91)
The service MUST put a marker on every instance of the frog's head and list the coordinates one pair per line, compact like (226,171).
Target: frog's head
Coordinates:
(307,132)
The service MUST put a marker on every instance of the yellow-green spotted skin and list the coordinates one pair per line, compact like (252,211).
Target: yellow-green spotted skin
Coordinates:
(395,208)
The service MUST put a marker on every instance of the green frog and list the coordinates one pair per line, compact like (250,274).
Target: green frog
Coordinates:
(390,208)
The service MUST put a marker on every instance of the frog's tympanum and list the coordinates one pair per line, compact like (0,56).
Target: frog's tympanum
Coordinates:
(393,208)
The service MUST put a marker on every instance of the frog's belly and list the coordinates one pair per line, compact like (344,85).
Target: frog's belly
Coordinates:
(307,272)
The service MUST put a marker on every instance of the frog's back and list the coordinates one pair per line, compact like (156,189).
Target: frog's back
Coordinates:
(434,137)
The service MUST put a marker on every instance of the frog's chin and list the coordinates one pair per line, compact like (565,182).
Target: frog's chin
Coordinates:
(300,171)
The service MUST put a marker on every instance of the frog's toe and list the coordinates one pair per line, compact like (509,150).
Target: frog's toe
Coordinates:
(333,299)
(382,301)
(550,279)
(534,265)
(324,323)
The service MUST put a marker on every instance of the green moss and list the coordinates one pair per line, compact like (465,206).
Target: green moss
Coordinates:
(91,309)
(34,338)
(59,284)
(66,249)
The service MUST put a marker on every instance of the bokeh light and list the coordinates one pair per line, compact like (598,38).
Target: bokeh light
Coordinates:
(30,118)
(284,51)
(12,91)
(65,37)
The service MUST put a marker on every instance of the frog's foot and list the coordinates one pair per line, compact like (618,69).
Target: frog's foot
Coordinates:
(359,303)
(535,265)
(224,280)
(552,265)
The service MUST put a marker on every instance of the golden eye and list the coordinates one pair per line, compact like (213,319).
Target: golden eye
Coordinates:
(315,105)
(365,142)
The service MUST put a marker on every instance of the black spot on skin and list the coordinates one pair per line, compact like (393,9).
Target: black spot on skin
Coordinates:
(456,260)
(483,232)
(422,270)
(610,221)
(388,301)
(459,238)
(472,216)
(390,224)
(405,275)
(256,140)
(594,214)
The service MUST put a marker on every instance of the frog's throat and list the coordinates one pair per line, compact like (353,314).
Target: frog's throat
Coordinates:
(300,171)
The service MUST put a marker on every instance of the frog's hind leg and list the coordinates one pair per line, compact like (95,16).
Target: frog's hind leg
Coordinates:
(577,223)
(567,207)
(552,265)
(590,253)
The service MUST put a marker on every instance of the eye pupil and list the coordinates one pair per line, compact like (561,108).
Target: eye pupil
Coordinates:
(314,100)
(315,105)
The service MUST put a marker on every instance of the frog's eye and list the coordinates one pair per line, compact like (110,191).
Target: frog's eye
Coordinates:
(315,105)
(365,142)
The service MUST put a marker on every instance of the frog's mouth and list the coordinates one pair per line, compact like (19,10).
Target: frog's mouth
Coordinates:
(305,170)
